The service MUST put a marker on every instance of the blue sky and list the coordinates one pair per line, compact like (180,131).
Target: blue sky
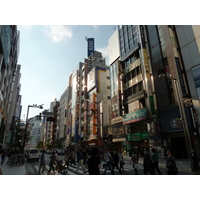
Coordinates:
(48,54)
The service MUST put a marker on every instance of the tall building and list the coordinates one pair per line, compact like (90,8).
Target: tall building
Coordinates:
(9,81)
(64,102)
(35,133)
(138,107)
(172,91)
(188,38)
(118,137)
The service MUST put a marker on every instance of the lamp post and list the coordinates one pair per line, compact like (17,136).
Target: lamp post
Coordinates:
(27,121)
(183,120)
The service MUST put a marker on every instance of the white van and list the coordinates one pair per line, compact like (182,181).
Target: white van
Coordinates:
(32,154)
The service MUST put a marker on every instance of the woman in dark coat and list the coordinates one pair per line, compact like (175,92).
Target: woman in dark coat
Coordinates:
(171,168)
(195,166)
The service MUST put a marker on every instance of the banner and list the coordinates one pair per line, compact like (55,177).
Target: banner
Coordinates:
(90,47)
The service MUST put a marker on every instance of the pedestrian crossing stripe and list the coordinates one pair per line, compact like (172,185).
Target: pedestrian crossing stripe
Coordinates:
(72,170)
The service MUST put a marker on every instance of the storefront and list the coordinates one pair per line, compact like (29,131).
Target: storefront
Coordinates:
(137,137)
(138,142)
(118,134)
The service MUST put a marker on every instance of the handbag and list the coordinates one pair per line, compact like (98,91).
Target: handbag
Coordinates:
(136,166)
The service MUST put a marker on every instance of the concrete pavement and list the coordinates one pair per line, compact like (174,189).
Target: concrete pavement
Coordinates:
(14,169)
(183,165)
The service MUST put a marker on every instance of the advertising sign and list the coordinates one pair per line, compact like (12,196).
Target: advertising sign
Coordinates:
(137,136)
(91,79)
(5,37)
(135,116)
(90,47)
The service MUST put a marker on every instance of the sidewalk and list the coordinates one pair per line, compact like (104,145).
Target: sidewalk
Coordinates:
(182,164)
(14,169)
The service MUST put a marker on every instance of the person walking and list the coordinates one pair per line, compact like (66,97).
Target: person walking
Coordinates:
(107,158)
(93,163)
(154,160)
(171,168)
(42,162)
(115,163)
(134,160)
(79,160)
(66,159)
(147,162)
(121,161)
(195,166)
(73,157)
(52,163)
(1,173)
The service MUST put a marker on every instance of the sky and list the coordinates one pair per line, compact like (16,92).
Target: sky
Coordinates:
(48,55)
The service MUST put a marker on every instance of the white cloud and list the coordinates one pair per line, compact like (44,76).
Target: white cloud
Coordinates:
(58,33)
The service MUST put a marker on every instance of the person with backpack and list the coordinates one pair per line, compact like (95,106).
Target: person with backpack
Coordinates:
(171,168)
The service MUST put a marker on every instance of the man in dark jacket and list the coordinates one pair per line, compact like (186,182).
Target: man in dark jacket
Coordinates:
(147,162)
(115,162)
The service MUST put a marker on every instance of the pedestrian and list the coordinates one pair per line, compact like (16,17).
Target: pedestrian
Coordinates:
(2,157)
(93,163)
(147,162)
(115,163)
(107,158)
(134,160)
(171,168)
(121,161)
(42,162)
(154,160)
(52,163)
(73,157)
(1,173)
(66,159)
(195,166)
(79,160)
(85,156)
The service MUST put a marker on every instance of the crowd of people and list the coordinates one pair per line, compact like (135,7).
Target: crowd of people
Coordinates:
(90,160)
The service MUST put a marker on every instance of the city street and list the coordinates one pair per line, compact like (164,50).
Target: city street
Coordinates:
(32,167)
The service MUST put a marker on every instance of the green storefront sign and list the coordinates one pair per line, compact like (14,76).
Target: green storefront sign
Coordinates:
(134,137)
(137,136)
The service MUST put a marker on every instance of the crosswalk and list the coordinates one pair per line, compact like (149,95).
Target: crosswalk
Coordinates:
(128,169)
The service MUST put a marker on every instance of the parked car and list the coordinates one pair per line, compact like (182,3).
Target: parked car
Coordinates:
(32,154)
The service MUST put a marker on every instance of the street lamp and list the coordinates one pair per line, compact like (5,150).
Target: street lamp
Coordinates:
(183,120)
(27,121)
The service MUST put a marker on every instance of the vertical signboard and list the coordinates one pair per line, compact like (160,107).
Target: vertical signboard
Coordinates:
(5,37)
(90,47)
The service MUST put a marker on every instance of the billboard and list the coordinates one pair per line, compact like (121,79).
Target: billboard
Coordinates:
(90,47)
(91,79)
